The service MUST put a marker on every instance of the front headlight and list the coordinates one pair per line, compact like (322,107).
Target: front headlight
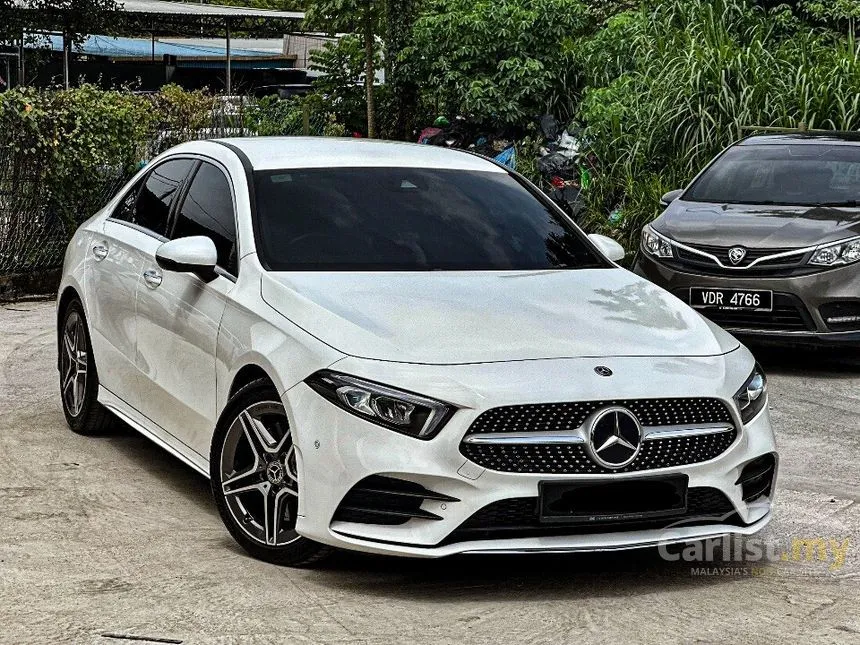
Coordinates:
(655,244)
(838,253)
(404,412)
(752,397)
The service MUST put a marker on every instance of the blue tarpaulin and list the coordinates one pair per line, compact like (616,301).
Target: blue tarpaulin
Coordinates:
(142,48)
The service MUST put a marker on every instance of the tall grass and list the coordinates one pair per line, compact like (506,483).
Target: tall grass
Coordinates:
(671,84)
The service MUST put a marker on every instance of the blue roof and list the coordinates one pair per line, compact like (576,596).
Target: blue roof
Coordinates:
(142,48)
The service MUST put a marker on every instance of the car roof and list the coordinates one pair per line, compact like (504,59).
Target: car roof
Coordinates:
(802,138)
(275,153)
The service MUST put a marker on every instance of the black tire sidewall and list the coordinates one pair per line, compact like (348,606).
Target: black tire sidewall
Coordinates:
(91,406)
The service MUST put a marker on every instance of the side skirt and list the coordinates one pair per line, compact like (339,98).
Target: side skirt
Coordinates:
(151,431)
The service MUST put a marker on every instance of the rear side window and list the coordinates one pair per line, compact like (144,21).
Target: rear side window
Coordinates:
(149,206)
(208,210)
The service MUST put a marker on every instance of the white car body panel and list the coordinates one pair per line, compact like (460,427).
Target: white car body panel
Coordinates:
(452,317)
(169,357)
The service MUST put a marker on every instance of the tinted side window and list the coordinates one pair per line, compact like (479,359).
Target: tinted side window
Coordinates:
(208,210)
(125,209)
(159,190)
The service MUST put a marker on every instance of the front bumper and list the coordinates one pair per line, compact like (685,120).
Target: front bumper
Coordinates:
(809,291)
(336,450)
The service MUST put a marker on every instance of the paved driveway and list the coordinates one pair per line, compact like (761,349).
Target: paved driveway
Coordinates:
(112,535)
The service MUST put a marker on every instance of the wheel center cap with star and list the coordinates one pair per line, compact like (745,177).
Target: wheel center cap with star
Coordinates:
(275,473)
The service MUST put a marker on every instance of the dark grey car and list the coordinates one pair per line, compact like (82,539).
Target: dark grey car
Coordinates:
(766,240)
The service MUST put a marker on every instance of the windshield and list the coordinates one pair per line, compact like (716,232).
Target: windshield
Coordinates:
(410,219)
(802,175)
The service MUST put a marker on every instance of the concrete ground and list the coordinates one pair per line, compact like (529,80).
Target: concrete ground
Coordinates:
(113,536)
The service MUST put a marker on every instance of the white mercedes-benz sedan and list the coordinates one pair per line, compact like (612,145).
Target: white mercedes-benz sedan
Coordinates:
(404,349)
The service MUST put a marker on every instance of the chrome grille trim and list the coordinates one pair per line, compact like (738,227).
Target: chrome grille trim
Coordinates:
(654,433)
(764,258)
(577,435)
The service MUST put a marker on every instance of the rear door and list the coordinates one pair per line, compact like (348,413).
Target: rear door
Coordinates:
(117,263)
(178,318)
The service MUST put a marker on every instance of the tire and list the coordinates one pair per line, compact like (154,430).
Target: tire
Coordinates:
(79,381)
(254,478)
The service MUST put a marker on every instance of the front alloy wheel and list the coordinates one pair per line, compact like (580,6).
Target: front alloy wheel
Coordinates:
(255,480)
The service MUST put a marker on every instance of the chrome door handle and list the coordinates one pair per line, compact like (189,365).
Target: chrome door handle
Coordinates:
(152,278)
(100,252)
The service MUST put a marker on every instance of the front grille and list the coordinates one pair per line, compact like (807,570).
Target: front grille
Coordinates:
(541,417)
(573,458)
(519,517)
(387,501)
(790,265)
(789,314)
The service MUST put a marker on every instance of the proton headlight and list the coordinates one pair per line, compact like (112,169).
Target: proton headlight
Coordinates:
(404,412)
(838,253)
(752,397)
(655,244)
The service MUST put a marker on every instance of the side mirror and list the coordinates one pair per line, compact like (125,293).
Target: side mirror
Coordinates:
(196,254)
(670,197)
(609,247)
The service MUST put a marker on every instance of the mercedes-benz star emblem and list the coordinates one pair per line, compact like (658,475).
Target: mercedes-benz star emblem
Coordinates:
(737,254)
(602,370)
(614,438)
(275,472)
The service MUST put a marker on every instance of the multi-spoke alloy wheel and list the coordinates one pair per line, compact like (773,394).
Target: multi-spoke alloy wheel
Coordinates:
(258,470)
(255,477)
(73,364)
(79,381)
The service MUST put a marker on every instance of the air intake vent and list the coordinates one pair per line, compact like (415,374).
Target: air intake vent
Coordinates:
(841,316)
(756,478)
(387,501)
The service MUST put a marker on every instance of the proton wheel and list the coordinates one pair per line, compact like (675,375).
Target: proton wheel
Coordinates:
(255,479)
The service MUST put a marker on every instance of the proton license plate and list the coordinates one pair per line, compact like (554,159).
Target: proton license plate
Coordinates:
(731,299)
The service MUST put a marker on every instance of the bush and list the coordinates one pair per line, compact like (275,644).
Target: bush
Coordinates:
(499,61)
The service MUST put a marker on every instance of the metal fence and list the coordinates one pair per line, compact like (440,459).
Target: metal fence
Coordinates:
(34,236)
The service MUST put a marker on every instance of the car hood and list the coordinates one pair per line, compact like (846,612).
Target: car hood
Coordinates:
(477,317)
(757,226)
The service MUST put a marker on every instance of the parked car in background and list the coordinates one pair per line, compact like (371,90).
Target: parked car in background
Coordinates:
(404,349)
(766,240)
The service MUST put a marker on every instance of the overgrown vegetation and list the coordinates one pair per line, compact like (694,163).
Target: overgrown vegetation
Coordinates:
(666,87)
(659,86)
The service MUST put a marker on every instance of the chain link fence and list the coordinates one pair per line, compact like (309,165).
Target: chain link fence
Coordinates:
(33,233)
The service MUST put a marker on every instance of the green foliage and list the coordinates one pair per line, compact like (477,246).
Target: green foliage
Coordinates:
(496,60)
(341,87)
(670,85)
(72,141)
(77,18)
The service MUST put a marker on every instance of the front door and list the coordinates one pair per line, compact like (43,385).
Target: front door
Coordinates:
(178,316)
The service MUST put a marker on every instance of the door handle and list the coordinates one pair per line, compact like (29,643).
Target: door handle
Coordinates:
(152,277)
(100,252)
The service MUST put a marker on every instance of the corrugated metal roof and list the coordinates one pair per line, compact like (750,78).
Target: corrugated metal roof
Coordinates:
(194,9)
(197,9)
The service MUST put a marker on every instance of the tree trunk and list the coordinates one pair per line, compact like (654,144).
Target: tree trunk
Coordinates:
(369,71)
(400,16)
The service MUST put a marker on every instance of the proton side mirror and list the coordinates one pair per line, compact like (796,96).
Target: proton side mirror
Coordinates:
(609,247)
(195,254)
(670,197)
